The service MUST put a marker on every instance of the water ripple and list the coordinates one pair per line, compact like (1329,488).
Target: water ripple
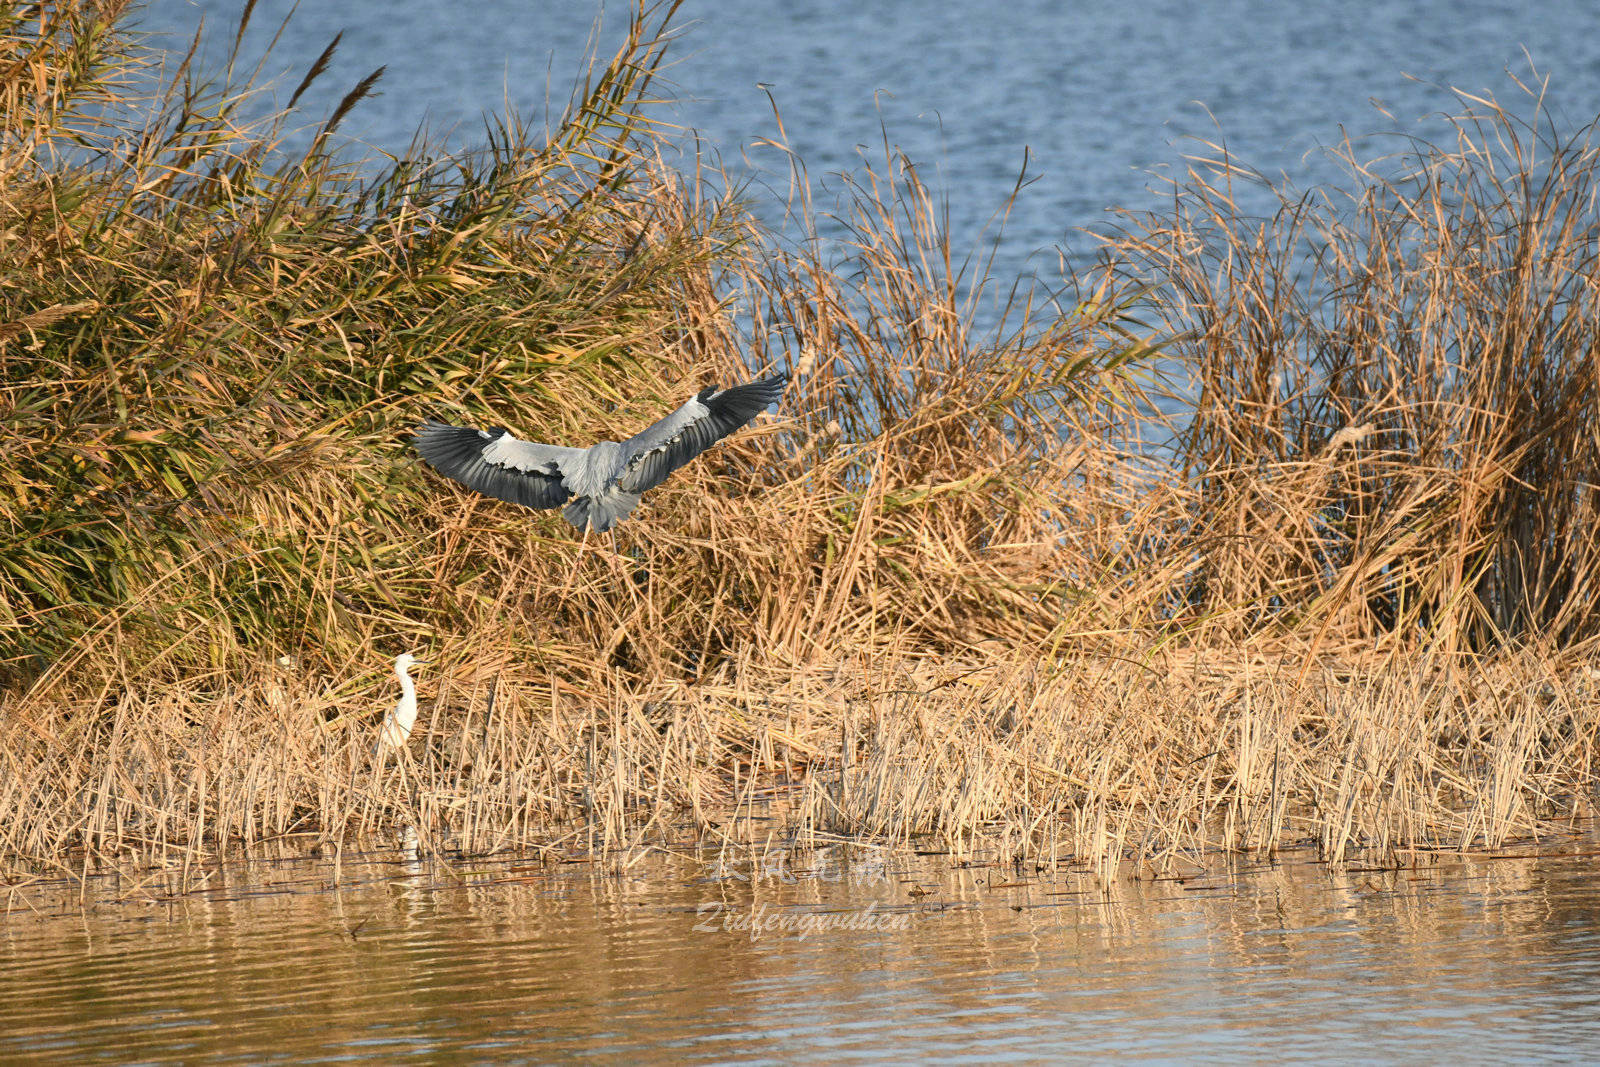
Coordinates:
(1488,960)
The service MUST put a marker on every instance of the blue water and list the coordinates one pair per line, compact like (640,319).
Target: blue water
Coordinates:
(1101,97)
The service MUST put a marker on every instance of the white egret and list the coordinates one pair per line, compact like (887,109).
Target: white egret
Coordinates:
(396,728)
(595,487)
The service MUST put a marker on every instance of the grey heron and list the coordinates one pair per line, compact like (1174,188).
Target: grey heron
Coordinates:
(396,728)
(595,487)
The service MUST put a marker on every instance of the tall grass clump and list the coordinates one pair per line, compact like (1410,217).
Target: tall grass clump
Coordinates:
(1394,386)
(958,471)
(213,347)
(222,346)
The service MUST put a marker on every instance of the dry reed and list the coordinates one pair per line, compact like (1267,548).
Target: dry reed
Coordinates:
(945,596)
(1095,762)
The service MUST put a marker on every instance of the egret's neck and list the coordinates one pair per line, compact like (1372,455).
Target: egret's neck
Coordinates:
(405,681)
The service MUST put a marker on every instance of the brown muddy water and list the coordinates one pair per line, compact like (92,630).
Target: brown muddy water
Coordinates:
(837,953)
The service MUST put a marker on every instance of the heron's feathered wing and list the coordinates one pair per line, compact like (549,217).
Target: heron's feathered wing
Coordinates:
(650,456)
(495,463)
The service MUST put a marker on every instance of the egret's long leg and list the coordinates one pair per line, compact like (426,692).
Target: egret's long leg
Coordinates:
(379,784)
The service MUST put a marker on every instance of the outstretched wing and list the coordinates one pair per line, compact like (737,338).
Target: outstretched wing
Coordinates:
(700,423)
(497,464)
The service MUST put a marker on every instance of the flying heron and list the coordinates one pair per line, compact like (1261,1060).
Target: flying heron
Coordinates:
(396,728)
(595,487)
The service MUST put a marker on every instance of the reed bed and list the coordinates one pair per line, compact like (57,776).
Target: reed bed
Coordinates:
(1096,763)
(947,595)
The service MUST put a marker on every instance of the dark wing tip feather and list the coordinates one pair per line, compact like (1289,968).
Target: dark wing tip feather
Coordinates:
(741,403)
(726,412)
(457,453)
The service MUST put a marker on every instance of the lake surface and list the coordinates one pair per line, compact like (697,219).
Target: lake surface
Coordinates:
(835,954)
(1098,95)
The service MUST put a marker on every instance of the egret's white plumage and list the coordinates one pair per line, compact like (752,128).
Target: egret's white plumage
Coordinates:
(596,486)
(396,728)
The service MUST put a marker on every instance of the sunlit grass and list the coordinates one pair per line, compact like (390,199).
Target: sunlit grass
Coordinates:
(944,593)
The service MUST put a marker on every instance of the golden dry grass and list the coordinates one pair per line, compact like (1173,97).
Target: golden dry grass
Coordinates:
(944,595)
(1097,759)
(1392,382)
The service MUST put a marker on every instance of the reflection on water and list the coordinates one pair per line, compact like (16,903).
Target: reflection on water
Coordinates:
(832,953)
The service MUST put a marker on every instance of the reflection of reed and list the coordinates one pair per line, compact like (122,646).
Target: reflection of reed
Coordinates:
(537,960)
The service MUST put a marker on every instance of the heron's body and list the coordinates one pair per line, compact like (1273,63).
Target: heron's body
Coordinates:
(396,728)
(597,486)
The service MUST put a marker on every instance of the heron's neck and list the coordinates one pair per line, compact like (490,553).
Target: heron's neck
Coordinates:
(405,682)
